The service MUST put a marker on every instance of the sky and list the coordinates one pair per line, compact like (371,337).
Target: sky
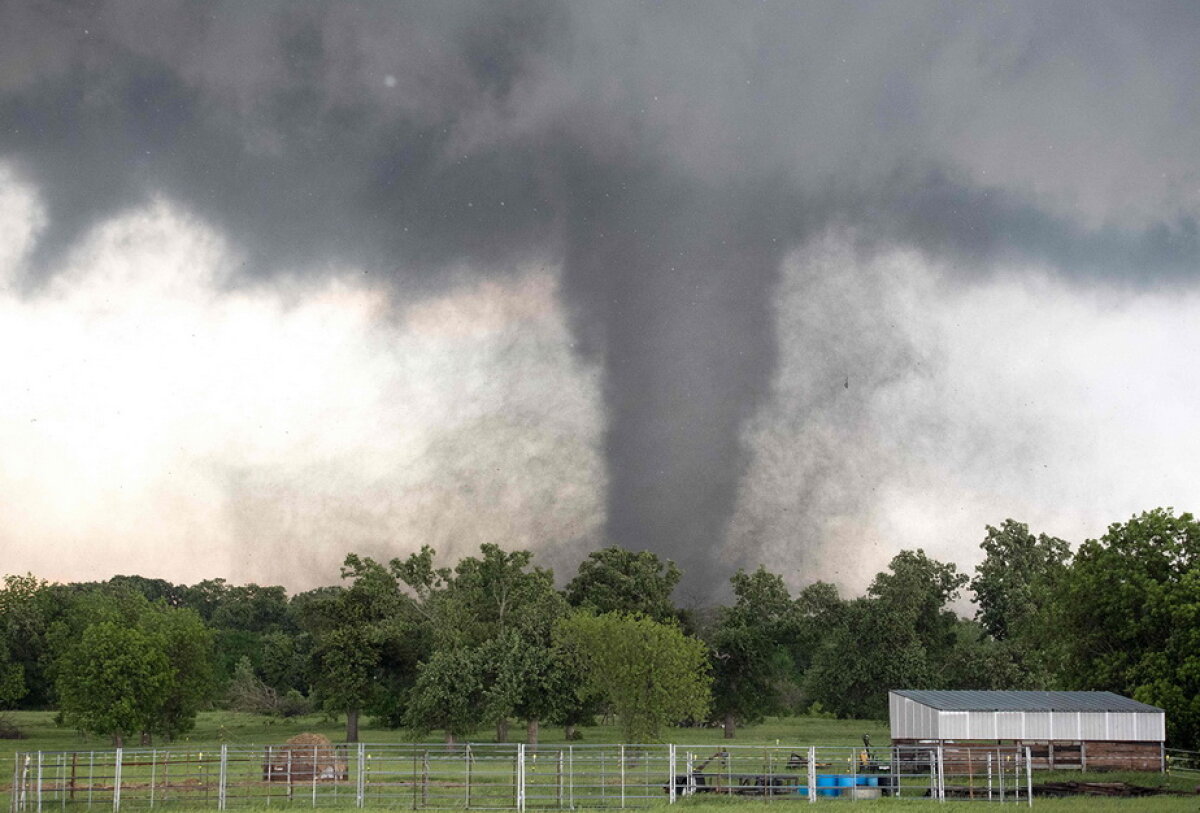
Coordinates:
(798,285)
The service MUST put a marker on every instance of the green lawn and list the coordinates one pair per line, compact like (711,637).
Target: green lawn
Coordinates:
(234,728)
(1156,804)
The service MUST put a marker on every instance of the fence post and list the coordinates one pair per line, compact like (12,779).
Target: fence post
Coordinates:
(467,773)
(671,769)
(116,782)
(622,758)
(360,784)
(894,769)
(521,777)
(812,773)
(221,776)
(854,774)
(1028,776)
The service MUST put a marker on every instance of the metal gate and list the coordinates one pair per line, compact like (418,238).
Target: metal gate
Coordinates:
(505,776)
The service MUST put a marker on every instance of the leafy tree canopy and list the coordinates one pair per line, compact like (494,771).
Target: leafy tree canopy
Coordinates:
(1013,583)
(1128,616)
(619,580)
(750,648)
(650,672)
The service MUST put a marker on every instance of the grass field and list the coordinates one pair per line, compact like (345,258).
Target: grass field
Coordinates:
(235,729)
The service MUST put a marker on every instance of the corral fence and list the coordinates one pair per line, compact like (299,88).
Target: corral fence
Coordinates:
(1179,761)
(505,776)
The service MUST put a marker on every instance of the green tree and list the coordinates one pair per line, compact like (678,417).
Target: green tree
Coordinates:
(650,672)
(353,630)
(750,656)
(1128,617)
(1014,588)
(188,646)
(1013,584)
(448,694)
(872,649)
(918,589)
(502,609)
(901,635)
(819,609)
(12,678)
(619,580)
(174,638)
(113,681)
(28,608)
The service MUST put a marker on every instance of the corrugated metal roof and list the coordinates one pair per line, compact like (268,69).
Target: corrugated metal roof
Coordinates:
(1025,701)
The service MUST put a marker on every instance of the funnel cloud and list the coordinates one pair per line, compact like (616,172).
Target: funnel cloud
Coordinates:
(698,273)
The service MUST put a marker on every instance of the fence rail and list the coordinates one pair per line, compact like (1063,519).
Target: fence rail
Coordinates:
(1180,761)
(505,776)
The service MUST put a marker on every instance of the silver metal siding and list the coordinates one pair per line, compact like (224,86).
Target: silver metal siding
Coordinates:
(1122,727)
(1066,725)
(1010,725)
(1039,725)
(1093,726)
(982,725)
(953,725)
(911,719)
(1156,726)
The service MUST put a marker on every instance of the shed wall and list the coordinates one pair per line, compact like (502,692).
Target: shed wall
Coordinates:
(911,720)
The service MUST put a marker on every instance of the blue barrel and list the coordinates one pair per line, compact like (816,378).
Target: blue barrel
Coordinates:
(802,790)
(873,781)
(826,784)
(845,782)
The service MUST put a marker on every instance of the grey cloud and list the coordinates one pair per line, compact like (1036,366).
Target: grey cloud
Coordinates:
(668,155)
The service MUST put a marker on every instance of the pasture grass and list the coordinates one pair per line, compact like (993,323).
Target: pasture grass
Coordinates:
(1091,804)
(238,728)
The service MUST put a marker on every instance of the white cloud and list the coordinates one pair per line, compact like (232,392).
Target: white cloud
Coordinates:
(968,402)
(161,420)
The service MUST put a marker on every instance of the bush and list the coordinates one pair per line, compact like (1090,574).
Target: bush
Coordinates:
(9,729)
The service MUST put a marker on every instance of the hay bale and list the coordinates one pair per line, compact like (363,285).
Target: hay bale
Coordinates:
(304,758)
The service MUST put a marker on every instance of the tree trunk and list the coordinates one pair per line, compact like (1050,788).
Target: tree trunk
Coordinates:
(352,725)
(118,740)
(147,738)
(729,726)
(569,732)
(502,730)
(531,734)
(449,737)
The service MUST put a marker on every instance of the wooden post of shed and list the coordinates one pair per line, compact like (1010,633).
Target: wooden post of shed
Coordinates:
(1083,755)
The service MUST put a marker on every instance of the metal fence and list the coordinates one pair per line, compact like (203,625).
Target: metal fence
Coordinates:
(1179,761)
(505,776)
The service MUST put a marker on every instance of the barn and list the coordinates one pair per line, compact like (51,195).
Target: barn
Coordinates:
(1063,730)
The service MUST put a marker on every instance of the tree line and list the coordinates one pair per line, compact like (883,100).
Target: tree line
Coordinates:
(492,641)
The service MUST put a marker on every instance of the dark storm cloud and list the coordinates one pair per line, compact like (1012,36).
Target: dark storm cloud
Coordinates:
(669,156)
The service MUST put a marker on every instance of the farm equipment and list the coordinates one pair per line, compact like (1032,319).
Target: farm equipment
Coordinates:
(723,779)
(870,766)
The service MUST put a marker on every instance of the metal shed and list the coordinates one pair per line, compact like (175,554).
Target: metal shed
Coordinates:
(1065,729)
